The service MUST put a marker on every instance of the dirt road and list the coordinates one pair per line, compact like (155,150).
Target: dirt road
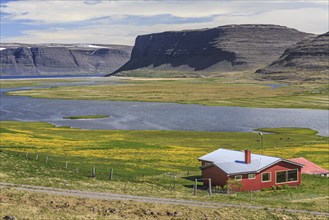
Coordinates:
(111,196)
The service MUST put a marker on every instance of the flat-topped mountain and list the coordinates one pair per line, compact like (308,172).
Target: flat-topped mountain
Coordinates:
(308,58)
(220,49)
(51,59)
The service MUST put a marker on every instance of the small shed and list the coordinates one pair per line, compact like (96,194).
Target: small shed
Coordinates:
(255,171)
(310,167)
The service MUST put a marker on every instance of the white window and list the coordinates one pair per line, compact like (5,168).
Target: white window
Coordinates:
(266,177)
(251,176)
(238,177)
(286,176)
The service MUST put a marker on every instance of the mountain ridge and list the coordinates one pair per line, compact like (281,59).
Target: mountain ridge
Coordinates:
(310,55)
(222,49)
(48,59)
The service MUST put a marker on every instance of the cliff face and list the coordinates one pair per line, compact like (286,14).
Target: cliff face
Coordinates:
(310,55)
(221,49)
(19,59)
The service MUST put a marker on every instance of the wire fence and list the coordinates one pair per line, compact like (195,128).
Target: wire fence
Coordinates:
(75,168)
(186,181)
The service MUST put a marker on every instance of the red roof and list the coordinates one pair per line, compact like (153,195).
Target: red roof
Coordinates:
(309,167)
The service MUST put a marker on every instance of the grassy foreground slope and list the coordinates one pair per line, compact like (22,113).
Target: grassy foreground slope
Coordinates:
(225,91)
(143,161)
(28,205)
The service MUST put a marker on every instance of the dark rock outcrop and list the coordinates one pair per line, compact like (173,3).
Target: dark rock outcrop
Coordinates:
(221,49)
(310,56)
(50,59)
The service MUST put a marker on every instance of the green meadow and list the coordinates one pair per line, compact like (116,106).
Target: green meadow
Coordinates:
(155,151)
(144,162)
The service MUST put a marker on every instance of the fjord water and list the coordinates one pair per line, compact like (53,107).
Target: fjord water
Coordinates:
(157,116)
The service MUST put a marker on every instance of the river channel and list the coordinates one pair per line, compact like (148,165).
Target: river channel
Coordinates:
(156,116)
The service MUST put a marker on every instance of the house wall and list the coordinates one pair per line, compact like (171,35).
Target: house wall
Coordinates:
(219,177)
(281,166)
(249,184)
(257,184)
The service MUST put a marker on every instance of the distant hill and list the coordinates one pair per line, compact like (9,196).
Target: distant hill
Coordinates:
(307,59)
(54,59)
(221,49)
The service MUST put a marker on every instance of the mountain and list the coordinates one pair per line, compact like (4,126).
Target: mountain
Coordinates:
(53,59)
(307,59)
(220,49)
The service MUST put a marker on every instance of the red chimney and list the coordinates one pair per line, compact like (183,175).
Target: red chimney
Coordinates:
(247,156)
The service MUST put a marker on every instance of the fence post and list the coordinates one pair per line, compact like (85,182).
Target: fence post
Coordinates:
(36,158)
(66,165)
(111,174)
(195,186)
(93,172)
(174,182)
(170,186)
(209,182)
(47,159)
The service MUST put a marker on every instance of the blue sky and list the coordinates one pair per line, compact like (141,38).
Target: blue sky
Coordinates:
(119,22)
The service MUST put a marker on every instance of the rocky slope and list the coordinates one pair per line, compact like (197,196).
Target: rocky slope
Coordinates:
(221,49)
(309,57)
(53,59)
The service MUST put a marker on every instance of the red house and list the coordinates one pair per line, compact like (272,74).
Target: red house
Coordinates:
(255,171)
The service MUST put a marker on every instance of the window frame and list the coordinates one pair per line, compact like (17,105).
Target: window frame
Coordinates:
(269,179)
(296,175)
(254,177)
(286,171)
(238,179)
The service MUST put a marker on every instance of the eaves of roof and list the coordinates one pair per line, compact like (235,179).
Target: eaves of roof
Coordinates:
(258,170)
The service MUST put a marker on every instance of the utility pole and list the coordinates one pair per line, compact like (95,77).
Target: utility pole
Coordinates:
(261,142)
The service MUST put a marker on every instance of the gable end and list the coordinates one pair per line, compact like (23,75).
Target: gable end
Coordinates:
(278,161)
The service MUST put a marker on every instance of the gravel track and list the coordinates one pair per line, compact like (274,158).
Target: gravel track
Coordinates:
(112,196)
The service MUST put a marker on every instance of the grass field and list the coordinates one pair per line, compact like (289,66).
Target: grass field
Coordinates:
(221,92)
(142,159)
(170,150)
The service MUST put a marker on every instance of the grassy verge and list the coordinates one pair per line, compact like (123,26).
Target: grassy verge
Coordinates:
(220,92)
(86,117)
(142,161)
(27,205)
